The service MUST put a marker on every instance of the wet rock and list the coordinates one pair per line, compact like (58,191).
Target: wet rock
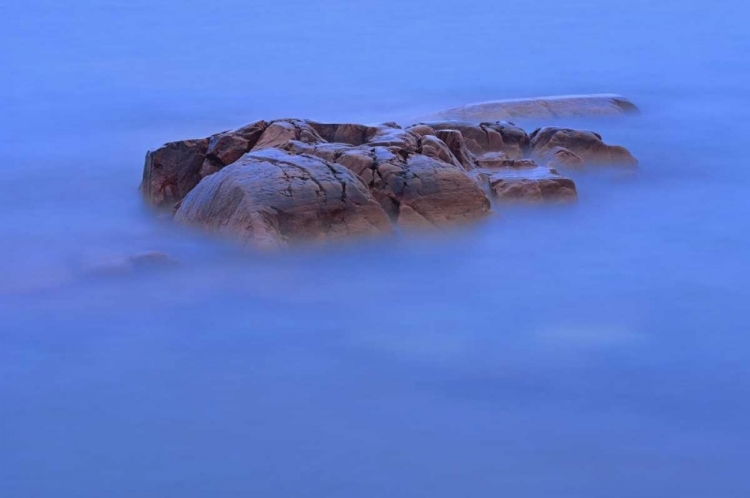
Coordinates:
(540,108)
(531,185)
(173,170)
(588,146)
(270,197)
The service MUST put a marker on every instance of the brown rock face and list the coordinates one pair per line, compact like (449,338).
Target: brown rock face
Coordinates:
(588,146)
(270,197)
(173,170)
(269,183)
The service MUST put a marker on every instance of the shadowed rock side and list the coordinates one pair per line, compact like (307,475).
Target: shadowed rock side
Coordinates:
(270,197)
(540,108)
(269,183)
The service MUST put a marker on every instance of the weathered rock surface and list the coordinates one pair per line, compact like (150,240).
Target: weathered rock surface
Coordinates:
(587,145)
(270,197)
(540,108)
(269,183)
(415,190)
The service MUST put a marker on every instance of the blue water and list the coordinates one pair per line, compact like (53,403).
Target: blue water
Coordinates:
(598,350)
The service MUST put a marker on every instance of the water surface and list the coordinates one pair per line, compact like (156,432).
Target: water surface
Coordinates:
(598,350)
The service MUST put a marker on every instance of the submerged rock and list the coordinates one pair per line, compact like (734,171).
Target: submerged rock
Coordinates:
(541,108)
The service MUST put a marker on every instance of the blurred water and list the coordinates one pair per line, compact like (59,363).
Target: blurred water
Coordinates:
(599,350)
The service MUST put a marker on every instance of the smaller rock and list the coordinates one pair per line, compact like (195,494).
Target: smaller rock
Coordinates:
(588,146)
(173,170)
(515,139)
(129,265)
(535,185)
(455,142)
(432,146)
(421,130)
(560,157)
(280,132)
(223,150)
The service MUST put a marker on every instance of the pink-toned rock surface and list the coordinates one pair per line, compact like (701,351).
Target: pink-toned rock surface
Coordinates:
(270,183)
(270,197)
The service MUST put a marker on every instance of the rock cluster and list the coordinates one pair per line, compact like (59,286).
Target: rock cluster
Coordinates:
(269,183)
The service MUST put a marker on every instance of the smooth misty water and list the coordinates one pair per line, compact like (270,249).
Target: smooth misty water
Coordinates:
(599,350)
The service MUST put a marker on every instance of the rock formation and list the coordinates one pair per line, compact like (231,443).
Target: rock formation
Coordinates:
(271,183)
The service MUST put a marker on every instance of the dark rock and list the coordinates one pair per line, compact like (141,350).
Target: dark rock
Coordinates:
(347,133)
(173,170)
(223,149)
(252,132)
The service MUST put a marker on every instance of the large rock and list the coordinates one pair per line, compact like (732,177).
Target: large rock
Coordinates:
(540,108)
(270,197)
(289,179)
(173,170)
(587,145)
(416,190)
